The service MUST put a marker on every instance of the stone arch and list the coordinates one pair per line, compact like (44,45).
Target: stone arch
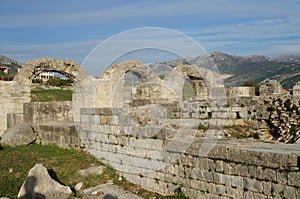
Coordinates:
(35,67)
(198,79)
(109,90)
(19,89)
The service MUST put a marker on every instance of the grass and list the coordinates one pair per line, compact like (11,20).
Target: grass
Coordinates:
(188,91)
(202,127)
(16,162)
(42,95)
(22,158)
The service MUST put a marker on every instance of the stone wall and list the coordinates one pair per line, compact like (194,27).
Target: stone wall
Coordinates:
(14,94)
(43,112)
(53,123)
(241,91)
(160,141)
(12,97)
(232,169)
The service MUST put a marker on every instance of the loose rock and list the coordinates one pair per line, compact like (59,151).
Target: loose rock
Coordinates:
(21,134)
(40,185)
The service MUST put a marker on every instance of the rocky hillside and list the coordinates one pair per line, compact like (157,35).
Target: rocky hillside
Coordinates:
(11,64)
(255,68)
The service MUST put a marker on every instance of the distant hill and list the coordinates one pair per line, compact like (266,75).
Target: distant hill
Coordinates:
(234,68)
(239,69)
(11,64)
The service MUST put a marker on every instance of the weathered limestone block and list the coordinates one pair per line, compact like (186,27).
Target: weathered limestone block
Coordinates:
(241,91)
(96,170)
(36,112)
(294,178)
(253,185)
(271,87)
(63,134)
(19,135)
(296,89)
(39,184)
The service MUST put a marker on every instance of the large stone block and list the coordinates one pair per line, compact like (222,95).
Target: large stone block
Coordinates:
(19,135)
(39,184)
(294,178)
(253,185)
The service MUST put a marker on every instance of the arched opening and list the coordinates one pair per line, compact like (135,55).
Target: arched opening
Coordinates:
(195,87)
(126,88)
(52,120)
(51,86)
(188,90)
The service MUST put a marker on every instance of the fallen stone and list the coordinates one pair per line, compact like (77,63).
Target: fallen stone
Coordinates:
(38,184)
(96,170)
(78,186)
(21,134)
(108,190)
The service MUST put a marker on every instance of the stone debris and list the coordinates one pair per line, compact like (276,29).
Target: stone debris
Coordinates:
(96,170)
(78,186)
(21,134)
(107,191)
(39,184)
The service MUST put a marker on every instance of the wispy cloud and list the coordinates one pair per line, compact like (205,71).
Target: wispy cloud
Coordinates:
(243,27)
(203,10)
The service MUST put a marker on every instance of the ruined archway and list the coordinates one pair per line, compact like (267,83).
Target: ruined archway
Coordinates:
(20,88)
(197,78)
(35,67)
(110,87)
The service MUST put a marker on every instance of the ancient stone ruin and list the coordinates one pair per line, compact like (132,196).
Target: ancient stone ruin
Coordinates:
(161,139)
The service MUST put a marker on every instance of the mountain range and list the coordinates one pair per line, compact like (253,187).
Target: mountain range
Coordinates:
(237,70)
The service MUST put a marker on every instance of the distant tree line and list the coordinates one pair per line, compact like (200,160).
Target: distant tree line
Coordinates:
(56,81)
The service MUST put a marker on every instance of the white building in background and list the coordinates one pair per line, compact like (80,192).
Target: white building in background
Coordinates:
(4,69)
(45,76)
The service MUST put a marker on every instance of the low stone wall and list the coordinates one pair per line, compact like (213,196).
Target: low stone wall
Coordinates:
(61,134)
(41,112)
(53,122)
(160,163)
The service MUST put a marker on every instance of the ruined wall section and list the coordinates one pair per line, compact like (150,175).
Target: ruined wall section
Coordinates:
(53,123)
(12,97)
(231,170)
(14,94)
(150,145)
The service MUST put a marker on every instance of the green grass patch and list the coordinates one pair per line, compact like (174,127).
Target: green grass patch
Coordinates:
(42,95)
(16,162)
(188,91)
(202,127)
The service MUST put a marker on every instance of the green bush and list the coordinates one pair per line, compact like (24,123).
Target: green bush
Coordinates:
(58,82)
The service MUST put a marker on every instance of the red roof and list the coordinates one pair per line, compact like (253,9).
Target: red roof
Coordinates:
(3,67)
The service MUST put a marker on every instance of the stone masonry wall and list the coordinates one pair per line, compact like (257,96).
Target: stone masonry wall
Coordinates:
(53,122)
(12,97)
(230,170)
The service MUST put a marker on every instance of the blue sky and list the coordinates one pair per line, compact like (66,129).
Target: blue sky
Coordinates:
(71,29)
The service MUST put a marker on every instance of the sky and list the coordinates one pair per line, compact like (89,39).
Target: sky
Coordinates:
(66,29)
